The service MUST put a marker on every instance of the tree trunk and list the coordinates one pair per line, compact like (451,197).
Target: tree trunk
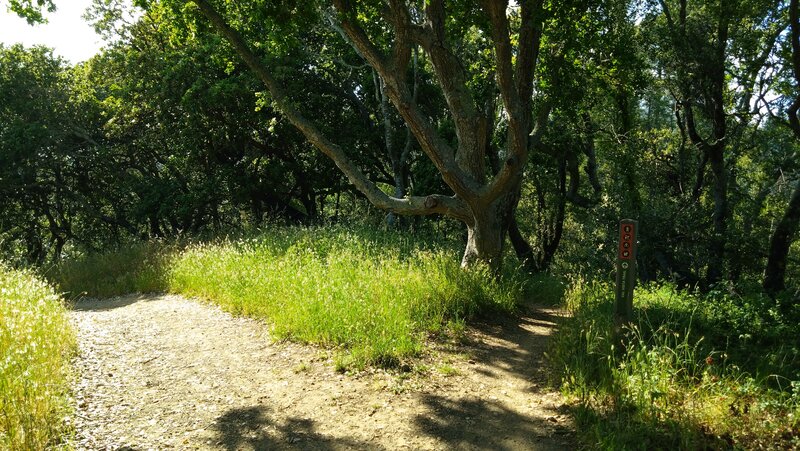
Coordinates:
(393,220)
(486,233)
(485,239)
(58,248)
(779,243)
(719,239)
(522,248)
(155,227)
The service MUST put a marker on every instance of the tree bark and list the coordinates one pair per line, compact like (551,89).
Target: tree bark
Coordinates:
(779,243)
(719,239)
(487,233)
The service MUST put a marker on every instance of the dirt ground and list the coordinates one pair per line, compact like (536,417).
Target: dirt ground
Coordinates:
(162,372)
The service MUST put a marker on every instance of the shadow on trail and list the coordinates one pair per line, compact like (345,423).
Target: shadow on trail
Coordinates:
(516,345)
(481,424)
(252,428)
(100,305)
(503,347)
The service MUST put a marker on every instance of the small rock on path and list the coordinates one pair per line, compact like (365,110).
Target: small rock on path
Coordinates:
(163,372)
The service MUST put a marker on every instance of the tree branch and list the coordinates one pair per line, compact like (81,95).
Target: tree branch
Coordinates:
(519,133)
(417,205)
(440,153)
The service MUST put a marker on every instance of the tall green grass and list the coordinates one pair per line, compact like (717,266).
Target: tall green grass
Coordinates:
(36,343)
(375,295)
(692,372)
(377,299)
(138,268)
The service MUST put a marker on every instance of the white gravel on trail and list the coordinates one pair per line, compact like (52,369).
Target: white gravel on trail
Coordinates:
(162,372)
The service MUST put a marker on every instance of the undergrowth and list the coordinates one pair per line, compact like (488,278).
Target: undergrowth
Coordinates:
(714,371)
(138,268)
(36,344)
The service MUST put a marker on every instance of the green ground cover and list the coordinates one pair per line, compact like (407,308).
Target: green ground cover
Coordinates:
(36,344)
(713,371)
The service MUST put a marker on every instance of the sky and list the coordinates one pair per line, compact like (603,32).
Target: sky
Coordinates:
(67,33)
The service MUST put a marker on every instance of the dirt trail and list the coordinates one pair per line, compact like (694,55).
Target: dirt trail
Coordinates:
(163,372)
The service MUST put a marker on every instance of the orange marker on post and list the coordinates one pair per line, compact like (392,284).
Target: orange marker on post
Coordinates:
(626,271)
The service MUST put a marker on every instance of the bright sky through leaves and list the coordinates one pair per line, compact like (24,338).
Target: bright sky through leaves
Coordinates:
(66,31)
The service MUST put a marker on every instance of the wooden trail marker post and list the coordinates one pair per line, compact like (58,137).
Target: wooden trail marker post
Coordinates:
(626,271)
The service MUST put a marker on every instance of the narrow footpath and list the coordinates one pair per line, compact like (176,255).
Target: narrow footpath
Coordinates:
(163,372)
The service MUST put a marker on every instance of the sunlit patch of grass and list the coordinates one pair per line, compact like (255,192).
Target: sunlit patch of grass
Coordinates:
(374,297)
(448,370)
(681,377)
(36,344)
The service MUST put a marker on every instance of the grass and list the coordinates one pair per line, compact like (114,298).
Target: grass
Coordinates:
(374,296)
(377,298)
(715,371)
(36,344)
(139,268)
(719,370)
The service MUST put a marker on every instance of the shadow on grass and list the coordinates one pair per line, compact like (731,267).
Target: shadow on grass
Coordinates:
(140,268)
(252,428)
(481,424)
(754,342)
(622,428)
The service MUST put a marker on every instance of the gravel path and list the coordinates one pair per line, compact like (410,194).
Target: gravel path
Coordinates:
(163,372)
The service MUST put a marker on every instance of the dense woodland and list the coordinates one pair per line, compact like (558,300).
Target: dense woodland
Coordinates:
(542,121)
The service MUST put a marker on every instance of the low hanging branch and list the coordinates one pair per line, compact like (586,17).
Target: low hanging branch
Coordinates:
(415,205)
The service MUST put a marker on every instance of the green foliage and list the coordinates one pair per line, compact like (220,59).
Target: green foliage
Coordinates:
(37,150)
(691,372)
(30,10)
(36,344)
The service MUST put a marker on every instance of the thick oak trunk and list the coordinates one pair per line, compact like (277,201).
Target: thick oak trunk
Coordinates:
(485,239)
(487,232)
